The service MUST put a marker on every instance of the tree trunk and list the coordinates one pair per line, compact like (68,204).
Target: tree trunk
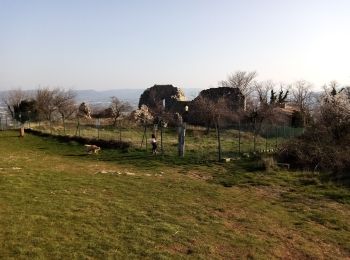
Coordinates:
(21,131)
(144,136)
(64,125)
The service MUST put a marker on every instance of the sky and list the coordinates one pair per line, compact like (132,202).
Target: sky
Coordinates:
(102,44)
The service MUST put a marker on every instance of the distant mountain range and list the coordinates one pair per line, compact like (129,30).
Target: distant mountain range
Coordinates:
(92,96)
(130,95)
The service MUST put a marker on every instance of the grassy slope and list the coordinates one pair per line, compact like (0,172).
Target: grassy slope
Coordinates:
(56,202)
(199,145)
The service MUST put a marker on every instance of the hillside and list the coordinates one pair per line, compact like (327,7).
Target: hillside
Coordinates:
(58,202)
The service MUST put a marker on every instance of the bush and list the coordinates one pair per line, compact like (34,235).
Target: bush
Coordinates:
(325,145)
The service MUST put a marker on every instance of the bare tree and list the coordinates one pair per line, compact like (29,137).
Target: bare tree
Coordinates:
(12,99)
(117,108)
(335,112)
(347,91)
(54,103)
(263,91)
(203,111)
(45,98)
(65,103)
(265,105)
(214,113)
(302,98)
(242,80)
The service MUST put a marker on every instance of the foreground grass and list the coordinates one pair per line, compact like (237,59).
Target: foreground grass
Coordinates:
(57,202)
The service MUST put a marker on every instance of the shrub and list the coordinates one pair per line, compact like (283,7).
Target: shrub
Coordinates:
(325,145)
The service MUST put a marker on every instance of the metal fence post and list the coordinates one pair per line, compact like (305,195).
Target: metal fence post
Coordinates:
(266,137)
(98,127)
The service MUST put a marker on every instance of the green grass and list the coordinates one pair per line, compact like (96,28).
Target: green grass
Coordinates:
(200,145)
(57,202)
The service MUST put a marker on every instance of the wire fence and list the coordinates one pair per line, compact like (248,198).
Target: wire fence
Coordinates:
(7,123)
(200,143)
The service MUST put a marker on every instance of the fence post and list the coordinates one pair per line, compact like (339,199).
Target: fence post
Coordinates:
(181,131)
(266,137)
(120,131)
(144,136)
(239,137)
(161,138)
(219,140)
(254,141)
(98,127)
(64,125)
(77,131)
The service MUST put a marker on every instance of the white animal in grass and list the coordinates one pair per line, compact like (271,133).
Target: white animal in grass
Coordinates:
(91,148)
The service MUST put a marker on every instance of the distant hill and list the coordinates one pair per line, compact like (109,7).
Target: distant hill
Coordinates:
(130,95)
(92,96)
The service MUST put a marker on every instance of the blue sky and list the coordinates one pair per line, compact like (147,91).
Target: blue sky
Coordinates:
(103,44)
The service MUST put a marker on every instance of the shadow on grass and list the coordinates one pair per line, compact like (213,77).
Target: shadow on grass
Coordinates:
(76,155)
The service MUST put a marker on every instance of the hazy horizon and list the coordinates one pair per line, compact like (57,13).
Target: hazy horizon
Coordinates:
(110,45)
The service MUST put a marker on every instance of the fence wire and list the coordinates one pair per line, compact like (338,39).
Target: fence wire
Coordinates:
(200,143)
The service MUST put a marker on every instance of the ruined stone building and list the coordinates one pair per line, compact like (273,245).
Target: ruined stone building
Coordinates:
(170,99)
(234,98)
(161,97)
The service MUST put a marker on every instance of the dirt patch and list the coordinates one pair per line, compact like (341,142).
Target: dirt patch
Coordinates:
(199,176)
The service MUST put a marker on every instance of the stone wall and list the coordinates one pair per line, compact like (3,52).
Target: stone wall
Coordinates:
(153,97)
(174,99)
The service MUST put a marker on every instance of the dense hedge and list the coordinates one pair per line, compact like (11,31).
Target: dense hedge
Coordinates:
(318,150)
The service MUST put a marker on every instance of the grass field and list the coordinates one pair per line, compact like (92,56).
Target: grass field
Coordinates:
(58,202)
(200,145)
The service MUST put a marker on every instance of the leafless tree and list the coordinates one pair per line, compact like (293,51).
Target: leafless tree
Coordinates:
(335,112)
(213,113)
(347,91)
(117,108)
(13,98)
(262,91)
(65,103)
(242,80)
(45,98)
(302,98)
(333,85)
(265,105)
(53,102)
